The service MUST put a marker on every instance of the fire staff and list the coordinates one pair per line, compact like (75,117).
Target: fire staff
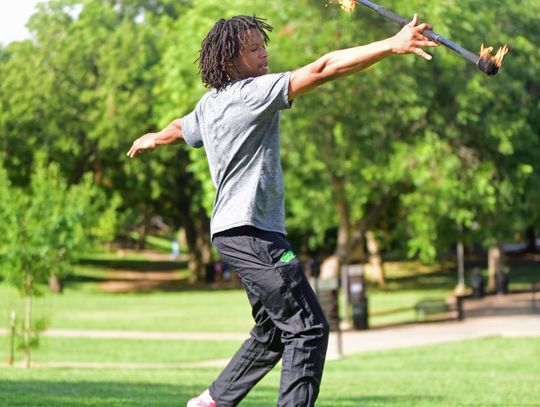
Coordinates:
(484,61)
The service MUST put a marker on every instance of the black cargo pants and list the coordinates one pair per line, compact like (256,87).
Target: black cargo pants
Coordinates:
(289,322)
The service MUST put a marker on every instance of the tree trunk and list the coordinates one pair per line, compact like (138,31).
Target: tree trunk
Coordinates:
(56,284)
(343,240)
(12,333)
(530,234)
(343,236)
(85,154)
(357,251)
(141,243)
(460,288)
(192,219)
(27,322)
(197,230)
(495,265)
(375,259)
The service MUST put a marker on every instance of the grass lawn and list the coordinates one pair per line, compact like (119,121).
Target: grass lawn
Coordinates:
(58,349)
(84,306)
(487,372)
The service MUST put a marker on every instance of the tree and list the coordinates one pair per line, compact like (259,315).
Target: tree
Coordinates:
(416,153)
(43,229)
(431,149)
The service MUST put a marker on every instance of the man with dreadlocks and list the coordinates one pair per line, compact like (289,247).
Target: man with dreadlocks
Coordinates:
(237,122)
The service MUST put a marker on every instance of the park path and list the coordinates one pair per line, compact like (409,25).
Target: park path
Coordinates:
(508,316)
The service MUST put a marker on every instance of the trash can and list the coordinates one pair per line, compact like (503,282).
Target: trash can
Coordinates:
(478,284)
(501,282)
(209,273)
(358,299)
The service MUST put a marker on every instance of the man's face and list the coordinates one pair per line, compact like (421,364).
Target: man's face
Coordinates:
(252,60)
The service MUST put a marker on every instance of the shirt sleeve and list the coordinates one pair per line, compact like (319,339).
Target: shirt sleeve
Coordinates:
(191,128)
(267,93)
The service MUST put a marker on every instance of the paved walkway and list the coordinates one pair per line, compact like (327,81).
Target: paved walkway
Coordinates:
(508,316)
(496,315)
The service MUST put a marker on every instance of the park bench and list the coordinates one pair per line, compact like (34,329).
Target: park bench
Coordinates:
(431,306)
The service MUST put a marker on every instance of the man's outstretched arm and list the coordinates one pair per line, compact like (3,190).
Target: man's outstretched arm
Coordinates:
(337,64)
(171,134)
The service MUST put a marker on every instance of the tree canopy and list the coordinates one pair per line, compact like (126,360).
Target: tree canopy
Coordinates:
(420,153)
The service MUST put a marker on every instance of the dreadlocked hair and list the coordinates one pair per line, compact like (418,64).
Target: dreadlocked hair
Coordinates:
(223,43)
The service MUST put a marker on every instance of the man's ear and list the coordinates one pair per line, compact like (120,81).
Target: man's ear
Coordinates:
(230,69)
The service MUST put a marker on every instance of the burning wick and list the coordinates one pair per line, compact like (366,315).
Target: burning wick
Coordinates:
(485,54)
(347,5)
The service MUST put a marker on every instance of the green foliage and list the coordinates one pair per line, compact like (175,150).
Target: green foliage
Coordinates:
(437,150)
(43,228)
(37,327)
(445,149)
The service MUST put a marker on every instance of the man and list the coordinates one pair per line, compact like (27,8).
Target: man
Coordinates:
(237,122)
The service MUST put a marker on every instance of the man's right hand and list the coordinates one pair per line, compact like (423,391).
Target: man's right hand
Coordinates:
(410,39)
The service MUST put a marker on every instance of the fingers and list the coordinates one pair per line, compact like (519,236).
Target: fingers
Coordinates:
(414,21)
(421,40)
(426,43)
(421,53)
(419,27)
(135,149)
(422,27)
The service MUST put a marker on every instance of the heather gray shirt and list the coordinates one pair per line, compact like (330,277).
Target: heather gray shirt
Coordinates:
(239,129)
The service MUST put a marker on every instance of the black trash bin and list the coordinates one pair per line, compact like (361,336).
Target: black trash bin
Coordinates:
(358,299)
(478,284)
(210,273)
(501,282)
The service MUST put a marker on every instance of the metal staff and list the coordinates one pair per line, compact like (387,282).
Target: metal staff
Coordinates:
(488,65)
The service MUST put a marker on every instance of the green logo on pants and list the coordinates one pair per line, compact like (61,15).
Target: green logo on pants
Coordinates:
(287,256)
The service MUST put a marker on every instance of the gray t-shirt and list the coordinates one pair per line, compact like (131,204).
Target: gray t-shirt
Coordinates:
(239,129)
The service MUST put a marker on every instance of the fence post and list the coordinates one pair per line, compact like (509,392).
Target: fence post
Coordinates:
(12,326)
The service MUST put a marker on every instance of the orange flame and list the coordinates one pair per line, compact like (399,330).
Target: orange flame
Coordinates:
(485,53)
(347,5)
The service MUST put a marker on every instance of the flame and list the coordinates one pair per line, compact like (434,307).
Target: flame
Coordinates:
(347,5)
(485,53)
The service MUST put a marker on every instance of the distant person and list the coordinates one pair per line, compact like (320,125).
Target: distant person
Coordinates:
(237,122)
(175,249)
(226,272)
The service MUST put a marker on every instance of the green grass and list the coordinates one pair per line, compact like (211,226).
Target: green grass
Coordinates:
(156,242)
(393,307)
(488,372)
(522,274)
(83,307)
(58,349)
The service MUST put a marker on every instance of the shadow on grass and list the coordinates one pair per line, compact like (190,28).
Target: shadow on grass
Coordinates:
(267,396)
(99,393)
(92,393)
(440,280)
(389,400)
(523,270)
(134,265)
(149,286)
